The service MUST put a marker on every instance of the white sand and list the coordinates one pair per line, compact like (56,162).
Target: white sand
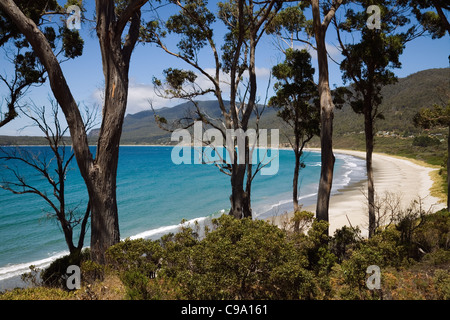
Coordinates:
(391,174)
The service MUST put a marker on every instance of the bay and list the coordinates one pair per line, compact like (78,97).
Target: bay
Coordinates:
(153,195)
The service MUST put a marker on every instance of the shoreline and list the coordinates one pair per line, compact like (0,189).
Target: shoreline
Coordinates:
(396,175)
(348,205)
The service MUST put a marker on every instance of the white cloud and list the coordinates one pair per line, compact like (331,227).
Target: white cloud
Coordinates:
(332,50)
(140,94)
(139,97)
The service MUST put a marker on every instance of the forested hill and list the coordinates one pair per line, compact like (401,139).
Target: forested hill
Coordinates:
(400,102)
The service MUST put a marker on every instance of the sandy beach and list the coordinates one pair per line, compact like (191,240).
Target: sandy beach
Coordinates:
(391,174)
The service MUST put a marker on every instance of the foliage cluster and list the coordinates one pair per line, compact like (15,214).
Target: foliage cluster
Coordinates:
(248,259)
(425,141)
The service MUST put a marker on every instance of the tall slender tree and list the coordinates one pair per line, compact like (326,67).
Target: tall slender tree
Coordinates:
(117,25)
(293,21)
(296,100)
(367,64)
(245,22)
(326,107)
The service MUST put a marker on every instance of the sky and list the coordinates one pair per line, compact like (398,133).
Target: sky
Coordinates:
(85,76)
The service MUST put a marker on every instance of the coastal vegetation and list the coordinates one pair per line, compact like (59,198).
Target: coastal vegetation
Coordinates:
(295,90)
(253,259)
(368,66)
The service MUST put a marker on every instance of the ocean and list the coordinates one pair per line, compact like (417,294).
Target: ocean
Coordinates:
(154,195)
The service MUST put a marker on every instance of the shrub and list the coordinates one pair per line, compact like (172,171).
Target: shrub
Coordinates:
(302,221)
(383,249)
(55,275)
(425,141)
(136,284)
(91,271)
(442,282)
(434,232)
(137,262)
(38,293)
(344,239)
(240,259)
(437,257)
(139,254)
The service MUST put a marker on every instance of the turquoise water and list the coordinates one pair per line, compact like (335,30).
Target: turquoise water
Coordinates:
(154,195)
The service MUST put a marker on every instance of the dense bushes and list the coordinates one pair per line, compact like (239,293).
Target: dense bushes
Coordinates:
(393,252)
(246,259)
(240,259)
(425,141)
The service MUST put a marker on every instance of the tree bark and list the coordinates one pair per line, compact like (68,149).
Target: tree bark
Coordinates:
(116,60)
(297,154)
(326,133)
(368,127)
(326,109)
(240,204)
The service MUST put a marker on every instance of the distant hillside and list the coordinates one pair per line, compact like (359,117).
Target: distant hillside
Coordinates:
(141,128)
(400,102)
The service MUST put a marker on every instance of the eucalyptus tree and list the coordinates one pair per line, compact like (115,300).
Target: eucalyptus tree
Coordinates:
(296,101)
(28,71)
(233,61)
(367,64)
(117,25)
(292,21)
(320,27)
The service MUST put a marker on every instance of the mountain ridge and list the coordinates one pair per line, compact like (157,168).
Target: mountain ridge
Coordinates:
(400,102)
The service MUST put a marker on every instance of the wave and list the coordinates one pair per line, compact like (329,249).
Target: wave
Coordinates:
(353,170)
(154,234)
(10,271)
(15,270)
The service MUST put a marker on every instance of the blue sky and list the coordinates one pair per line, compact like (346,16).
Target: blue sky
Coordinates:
(85,75)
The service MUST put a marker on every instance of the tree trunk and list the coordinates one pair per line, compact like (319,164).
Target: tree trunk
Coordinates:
(326,109)
(99,174)
(296,173)
(240,198)
(368,127)
(326,133)
(240,205)
(115,60)
(104,216)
